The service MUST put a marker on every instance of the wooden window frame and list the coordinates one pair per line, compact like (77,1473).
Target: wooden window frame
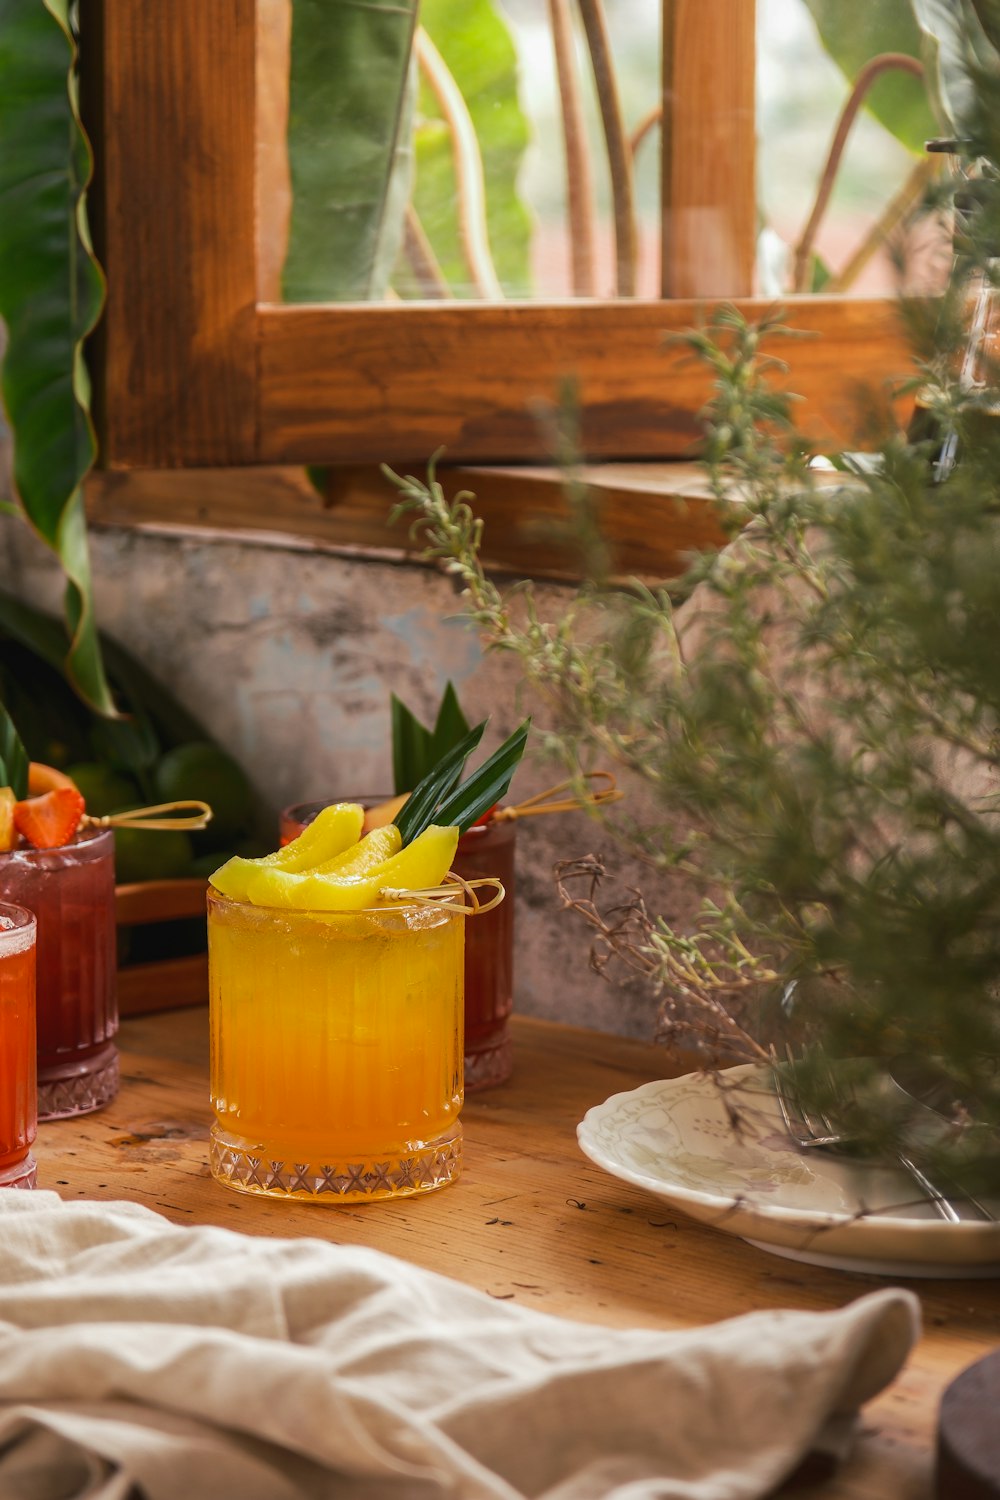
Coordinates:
(194,371)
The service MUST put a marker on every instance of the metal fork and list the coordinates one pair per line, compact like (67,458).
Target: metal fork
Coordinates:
(812,1129)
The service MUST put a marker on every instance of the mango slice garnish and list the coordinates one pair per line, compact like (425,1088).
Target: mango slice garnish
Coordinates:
(422,865)
(273,887)
(335,830)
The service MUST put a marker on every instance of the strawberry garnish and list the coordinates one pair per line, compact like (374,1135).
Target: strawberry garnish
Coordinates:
(51,820)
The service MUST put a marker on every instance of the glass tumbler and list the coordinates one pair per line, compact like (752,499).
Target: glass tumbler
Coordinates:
(71,891)
(486,850)
(18,1099)
(336,1072)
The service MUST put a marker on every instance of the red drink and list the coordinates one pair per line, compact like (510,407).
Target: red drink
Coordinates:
(489,957)
(71,890)
(486,850)
(18,1103)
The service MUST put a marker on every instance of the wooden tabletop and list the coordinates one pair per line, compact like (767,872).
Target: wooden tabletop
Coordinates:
(530,1220)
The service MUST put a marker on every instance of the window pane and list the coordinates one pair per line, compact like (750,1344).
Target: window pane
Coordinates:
(866,242)
(465,159)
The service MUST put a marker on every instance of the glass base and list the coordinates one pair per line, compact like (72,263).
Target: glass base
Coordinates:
(21,1176)
(237,1163)
(78,1090)
(491,1065)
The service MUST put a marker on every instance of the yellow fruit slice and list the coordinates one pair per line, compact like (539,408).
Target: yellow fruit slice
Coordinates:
(336,829)
(383,812)
(8,833)
(272,887)
(422,864)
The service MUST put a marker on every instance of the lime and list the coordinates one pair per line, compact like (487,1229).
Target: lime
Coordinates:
(150,854)
(199,770)
(204,865)
(104,790)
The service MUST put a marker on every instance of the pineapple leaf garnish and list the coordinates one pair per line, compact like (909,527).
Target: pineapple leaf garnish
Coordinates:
(485,786)
(438,799)
(417,812)
(417,750)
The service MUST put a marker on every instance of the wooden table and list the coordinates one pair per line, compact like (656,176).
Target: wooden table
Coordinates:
(530,1220)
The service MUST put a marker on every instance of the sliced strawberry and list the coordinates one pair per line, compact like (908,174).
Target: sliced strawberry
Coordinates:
(8,833)
(50,820)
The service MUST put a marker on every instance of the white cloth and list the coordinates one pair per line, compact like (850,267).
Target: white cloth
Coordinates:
(142,1359)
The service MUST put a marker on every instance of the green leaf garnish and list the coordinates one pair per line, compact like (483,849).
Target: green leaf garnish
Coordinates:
(485,786)
(13,757)
(450,728)
(410,742)
(416,751)
(417,812)
(438,799)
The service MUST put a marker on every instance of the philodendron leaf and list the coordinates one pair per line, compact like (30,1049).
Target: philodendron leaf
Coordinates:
(853,34)
(956,48)
(349,146)
(13,757)
(478,49)
(51,291)
(988,14)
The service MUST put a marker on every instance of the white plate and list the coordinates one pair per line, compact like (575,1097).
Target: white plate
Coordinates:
(675,1137)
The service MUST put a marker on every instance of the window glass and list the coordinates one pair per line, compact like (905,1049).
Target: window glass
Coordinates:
(471,159)
(865,242)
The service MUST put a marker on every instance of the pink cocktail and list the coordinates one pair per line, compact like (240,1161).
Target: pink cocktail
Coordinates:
(486,850)
(71,891)
(18,1100)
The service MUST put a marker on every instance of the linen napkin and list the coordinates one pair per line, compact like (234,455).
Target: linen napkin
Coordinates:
(139,1359)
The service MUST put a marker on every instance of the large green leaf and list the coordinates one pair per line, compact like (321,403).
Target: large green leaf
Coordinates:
(852,34)
(51,292)
(349,146)
(13,757)
(957,48)
(477,47)
(153,719)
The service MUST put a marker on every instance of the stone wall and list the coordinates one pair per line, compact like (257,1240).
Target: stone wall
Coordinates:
(288,656)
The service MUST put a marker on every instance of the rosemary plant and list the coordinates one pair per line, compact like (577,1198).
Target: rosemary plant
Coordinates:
(816,722)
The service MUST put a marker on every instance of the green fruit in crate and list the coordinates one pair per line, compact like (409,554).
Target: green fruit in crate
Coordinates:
(204,865)
(151,854)
(203,771)
(104,790)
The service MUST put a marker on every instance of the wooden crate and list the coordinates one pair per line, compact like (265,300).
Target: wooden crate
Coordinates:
(167,983)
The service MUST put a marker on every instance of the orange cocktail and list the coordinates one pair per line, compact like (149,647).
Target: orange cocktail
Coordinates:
(485,851)
(336,1049)
(18,1104)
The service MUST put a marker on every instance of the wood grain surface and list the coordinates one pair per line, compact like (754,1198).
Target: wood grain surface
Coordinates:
(653,515)
(175,193)
(382,382)
(709,158)
(531,1220)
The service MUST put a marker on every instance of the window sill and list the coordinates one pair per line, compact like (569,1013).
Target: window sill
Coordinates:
(653,514)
